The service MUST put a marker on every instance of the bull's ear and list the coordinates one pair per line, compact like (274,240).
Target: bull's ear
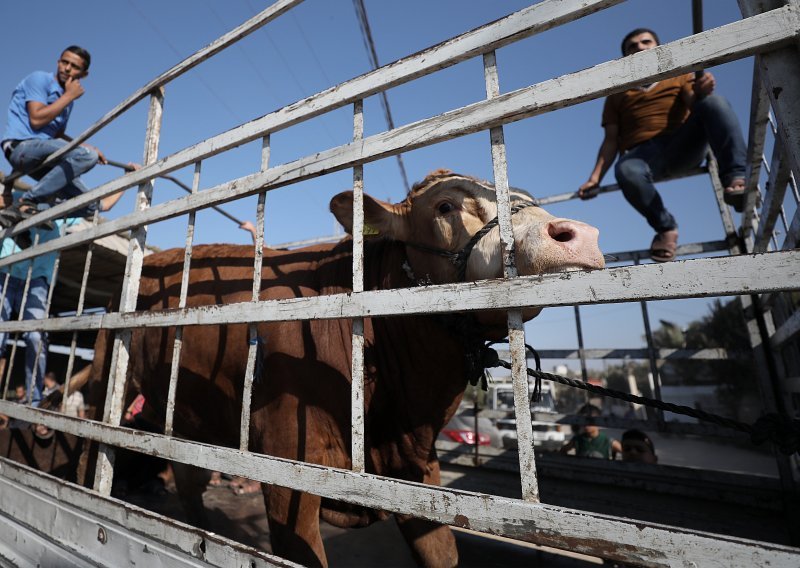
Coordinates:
(381,219)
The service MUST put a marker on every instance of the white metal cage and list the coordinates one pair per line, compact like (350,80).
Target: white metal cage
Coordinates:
(769,30)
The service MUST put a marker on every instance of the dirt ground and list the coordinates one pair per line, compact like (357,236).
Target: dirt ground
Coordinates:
(243,518)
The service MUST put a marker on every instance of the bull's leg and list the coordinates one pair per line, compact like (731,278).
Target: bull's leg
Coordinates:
(191,483)
(431,544)
(294,525)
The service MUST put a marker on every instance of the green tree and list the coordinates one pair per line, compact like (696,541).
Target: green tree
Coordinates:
(723,327)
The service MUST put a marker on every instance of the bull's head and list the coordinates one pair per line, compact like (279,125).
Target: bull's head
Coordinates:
(441,219)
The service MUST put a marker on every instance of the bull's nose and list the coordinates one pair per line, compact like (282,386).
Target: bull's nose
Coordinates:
(578,240)
(562,231)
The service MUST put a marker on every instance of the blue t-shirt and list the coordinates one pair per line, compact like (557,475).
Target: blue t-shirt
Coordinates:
(42,87)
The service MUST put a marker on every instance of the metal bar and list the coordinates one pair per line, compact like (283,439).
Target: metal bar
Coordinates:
(357,356)
(177,345)
(697,25)
(112,409)
(180,184)
(569,529)
(698,278)
(516,326)
(252,330)
(68,525)
(775,192)
(790,241)
(728,225)
(43,334)
(87,266)
(651,356)
(581,351)
(20,317)
(759,117)
(711,354)
(570,195)
(726,43)
(786,332)
(5,374)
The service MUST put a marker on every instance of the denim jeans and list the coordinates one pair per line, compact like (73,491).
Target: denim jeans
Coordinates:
(712,123)
(35,308)
(59,182)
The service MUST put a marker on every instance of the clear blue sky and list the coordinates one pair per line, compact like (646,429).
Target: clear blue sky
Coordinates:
(317,45)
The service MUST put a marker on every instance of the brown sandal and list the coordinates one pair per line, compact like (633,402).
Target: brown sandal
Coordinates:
(734,194)
(664,245)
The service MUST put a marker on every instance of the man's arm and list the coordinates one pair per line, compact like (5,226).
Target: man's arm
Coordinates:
(605,157)
(110,200)
(616,448)
(40,114)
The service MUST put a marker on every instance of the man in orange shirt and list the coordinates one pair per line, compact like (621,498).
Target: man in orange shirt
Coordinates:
(662,129)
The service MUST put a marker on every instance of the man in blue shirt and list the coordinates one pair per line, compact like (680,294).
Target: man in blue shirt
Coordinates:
(37,120)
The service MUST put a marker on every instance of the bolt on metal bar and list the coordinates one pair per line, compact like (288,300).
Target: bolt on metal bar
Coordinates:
(252,329)
(112,410)
(516,326)
(357,356)
(73,344)
(177,345)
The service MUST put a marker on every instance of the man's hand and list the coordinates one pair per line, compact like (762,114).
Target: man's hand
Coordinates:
(589,190)
(704,85)
(100,156)
(73,88)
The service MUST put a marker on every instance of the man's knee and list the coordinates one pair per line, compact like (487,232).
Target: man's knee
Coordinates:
(631,172)
(712,104)
(86,157)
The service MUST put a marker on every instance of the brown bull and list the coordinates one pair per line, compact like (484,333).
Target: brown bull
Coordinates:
(415,372)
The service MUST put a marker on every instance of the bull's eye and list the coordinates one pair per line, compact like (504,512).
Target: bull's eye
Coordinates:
(445,207)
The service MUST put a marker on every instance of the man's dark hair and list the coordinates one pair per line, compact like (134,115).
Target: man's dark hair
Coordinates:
(82,53)
(639,436)
(636,32)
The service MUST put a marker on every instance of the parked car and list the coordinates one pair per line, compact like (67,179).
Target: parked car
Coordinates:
(547,435)
(461,429)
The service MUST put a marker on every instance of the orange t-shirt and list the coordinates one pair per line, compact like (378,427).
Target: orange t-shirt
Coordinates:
(644,114)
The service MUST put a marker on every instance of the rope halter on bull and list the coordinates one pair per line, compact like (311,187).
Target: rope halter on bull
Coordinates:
(461,258)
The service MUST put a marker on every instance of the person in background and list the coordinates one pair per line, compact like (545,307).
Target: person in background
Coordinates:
(638,447)
(661,129)
(50,384)
(590,442)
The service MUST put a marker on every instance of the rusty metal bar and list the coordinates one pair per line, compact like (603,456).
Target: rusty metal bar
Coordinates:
(357,356)
(254,339)
(581,350)
(112,410)
(177,345)
(20,317)
(516,326)
(87,266)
